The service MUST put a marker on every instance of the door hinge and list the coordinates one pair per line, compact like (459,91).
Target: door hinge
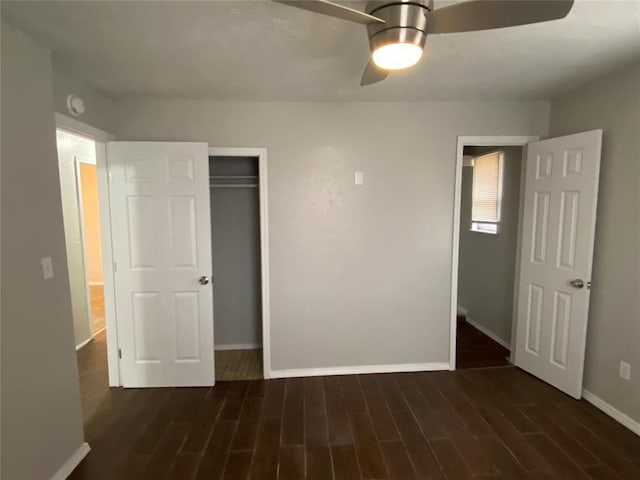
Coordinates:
(119,353)
(115,267)
(110,175)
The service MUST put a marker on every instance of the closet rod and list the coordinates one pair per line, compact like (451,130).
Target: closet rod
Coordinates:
(237,177)
(233,185)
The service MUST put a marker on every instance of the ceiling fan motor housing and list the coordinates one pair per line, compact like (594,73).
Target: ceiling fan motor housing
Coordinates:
(405,22)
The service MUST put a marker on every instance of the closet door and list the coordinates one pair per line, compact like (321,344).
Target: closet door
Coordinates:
(159,199)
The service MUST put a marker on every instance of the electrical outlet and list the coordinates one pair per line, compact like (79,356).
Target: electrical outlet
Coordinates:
(359,178)
(47,268)
(625,370)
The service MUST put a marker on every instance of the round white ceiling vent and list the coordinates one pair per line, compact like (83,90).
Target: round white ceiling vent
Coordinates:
(75,105)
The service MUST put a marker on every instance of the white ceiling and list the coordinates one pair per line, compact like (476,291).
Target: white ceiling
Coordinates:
(260,50)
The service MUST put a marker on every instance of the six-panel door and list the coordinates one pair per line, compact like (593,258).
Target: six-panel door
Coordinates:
(556,255)
(159,199)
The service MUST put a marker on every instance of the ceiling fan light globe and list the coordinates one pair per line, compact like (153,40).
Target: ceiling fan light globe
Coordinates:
(397,56)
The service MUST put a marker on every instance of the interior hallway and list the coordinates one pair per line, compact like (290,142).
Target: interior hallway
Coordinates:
(474,349)
(493,423)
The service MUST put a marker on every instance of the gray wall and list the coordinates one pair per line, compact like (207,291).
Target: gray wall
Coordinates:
(235,233)
(613,104)
(360,275)
(487,263)
(41,421)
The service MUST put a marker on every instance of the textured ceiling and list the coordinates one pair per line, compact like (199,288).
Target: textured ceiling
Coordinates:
(246,50)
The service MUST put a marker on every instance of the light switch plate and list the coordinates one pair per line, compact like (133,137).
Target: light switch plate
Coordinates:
(47,267)
(359,178)
(625,371)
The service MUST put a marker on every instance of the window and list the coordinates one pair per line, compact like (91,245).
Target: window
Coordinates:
(487,193)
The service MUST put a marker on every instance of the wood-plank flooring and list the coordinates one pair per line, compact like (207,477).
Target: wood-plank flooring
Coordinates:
(474,349)
(492,423)
(238,364)
(97,308)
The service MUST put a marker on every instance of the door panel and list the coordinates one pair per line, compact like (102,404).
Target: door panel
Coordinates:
(159,195)
(557,247)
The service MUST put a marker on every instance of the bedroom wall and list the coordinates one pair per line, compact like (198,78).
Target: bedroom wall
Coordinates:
(41,420)
(360,275)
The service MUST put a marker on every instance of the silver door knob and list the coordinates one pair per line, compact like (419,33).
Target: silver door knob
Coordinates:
(203,280)
(577,283)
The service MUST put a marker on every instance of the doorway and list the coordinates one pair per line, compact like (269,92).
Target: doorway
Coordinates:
(78,169)
(237,297)
(460,314)
(81,214)
(159,203)
(488,239)
(555,240)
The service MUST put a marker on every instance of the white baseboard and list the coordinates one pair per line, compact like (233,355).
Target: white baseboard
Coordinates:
(82,344)
(488,333)
(72,462)
(99,331)
(360,369)
(461,310)
(238,346)
(612,411)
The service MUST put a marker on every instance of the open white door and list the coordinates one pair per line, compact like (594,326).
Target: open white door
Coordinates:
(561,192)
(159,198)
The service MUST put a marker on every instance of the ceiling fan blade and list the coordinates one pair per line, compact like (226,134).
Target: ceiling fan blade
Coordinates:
(488,14)
(333,10)
(373,74)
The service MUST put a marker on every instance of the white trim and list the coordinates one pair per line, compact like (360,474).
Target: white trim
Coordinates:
(100,137)
(88,161)
(237,346)
(360,369)
(80,128)
(463,141)
(72,462)
(261,153)
(82,344)
(487,332)
(612,411)
(108,274)
(516,277)
(99,331)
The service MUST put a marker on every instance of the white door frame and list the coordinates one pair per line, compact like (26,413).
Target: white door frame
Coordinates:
(261,153)
(463,141)
(100,137)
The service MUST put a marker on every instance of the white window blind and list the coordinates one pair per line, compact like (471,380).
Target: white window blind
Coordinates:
(487,192)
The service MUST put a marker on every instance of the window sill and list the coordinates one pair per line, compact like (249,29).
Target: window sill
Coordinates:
(485,227)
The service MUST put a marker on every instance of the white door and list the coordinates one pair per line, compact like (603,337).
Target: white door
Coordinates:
(159,197)
(555,261)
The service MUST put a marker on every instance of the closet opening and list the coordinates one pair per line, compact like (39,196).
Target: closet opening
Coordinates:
(237,296)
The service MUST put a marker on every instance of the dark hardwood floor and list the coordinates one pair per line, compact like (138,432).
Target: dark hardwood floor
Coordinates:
(476,350)
(494,423)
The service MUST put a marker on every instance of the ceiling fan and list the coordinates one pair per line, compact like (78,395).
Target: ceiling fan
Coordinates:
(398,29)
